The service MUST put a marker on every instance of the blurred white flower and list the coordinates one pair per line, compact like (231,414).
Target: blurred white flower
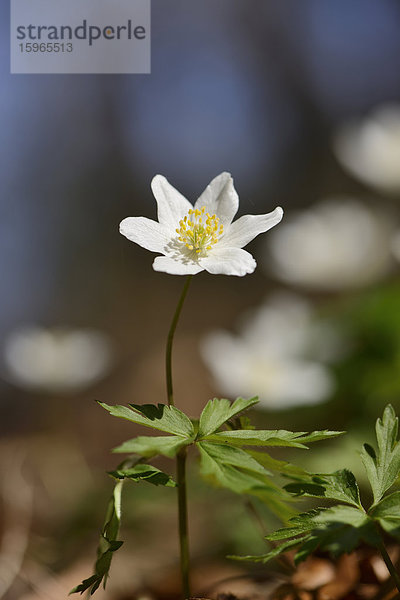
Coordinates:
(370,148)
(277,355)
(200,237)
(59,360)
(338,243)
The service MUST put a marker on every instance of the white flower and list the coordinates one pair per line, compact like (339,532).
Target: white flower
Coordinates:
(370,148)
(277,355)
(199,237)
(57,360)
(339,243)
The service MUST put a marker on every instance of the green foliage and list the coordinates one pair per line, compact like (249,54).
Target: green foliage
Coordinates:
(340,485)
(341,528)
(142,472)
(217,412)
(235,457)
(383,466)
(230,467)
(335,530)
(279,466)
(157,416)
(276,437)
(387,512)
(222,437)
(148,447)
(108,544)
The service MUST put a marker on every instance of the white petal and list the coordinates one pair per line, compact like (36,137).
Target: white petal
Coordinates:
(172,206)
(220,198)
(166,264)
(145,232)
(228,261)
(245,229)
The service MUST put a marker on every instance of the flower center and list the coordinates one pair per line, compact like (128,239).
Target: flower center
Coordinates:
(199,230)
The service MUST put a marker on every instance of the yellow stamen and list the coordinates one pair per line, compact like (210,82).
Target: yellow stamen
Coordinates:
(199,230)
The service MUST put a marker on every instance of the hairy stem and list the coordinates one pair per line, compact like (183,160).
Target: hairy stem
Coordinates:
(170,339)
(390,566)
(183,522)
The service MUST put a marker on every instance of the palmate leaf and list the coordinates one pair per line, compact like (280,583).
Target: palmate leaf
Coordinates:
(341,528)
(340,485)
(219,411)
(108,544)
(146,473)
(234,469)
(336,530)
(276,437)
(146,446)
(230,467)
(161,416)
(383,466)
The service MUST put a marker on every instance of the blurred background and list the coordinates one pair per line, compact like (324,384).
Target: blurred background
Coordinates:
(301,103)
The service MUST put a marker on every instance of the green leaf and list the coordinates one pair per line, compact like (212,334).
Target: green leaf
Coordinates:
(218,411)
(347,515)
(340,485)
(388,507)
(307,547)
(276,437)
(108,544)
(299,524)
(338,538)
(279,466)
(317,436)
(148,447)
(144,473)
(335,530)
(161,416)
(387,513)
(236,457)
(245,437)
(264,558)
(92,582)
(383,466)
(224,474)
(232,468)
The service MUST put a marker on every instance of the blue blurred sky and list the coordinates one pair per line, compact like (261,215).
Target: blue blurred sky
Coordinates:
(235,86)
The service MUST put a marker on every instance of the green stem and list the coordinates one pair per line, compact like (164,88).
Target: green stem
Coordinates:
(390,566)
(181,456)
(183,522)
(170,339)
